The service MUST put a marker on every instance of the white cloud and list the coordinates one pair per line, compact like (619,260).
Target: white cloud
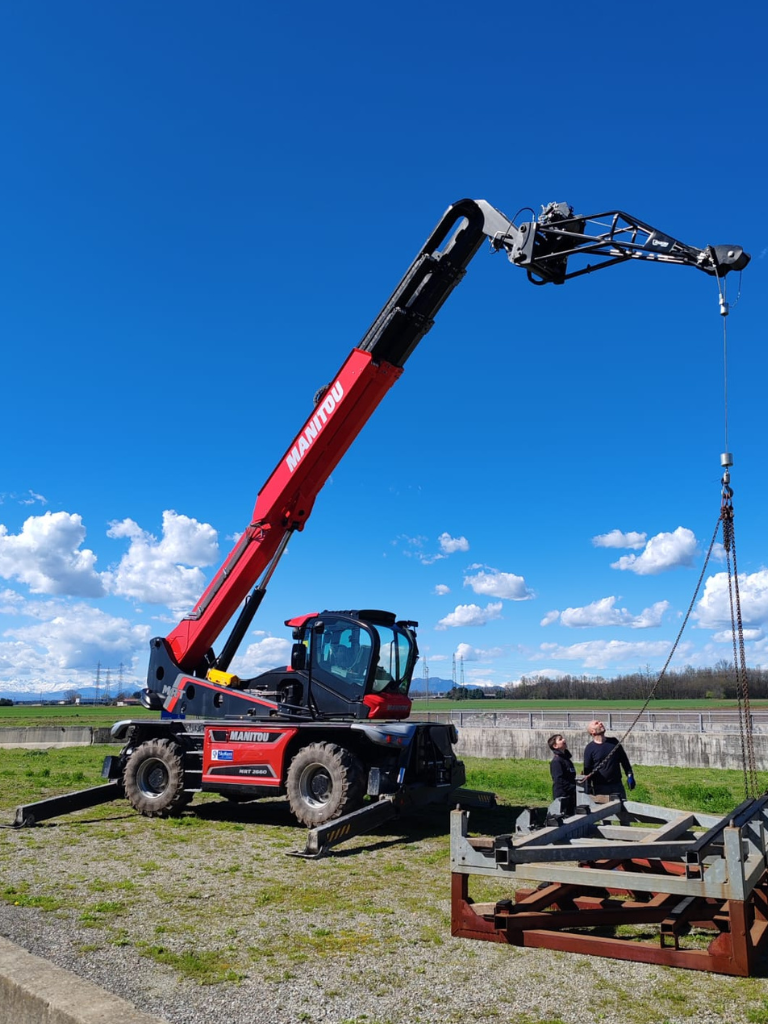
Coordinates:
(714,610)
(750,635)
(33,498)
(470,615)
(662,552)
(414,547)
(480,680)
(499,584)
(11,603)
(417,542)
(165,572)
(617,539)
(470,653)
(271,652)
(449,544)
(46,556)
(549,618)
(441,590)
(605,613)
(65,646)
(184,540)
(601,654)
(544,673)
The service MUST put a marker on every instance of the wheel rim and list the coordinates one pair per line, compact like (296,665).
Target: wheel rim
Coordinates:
(315,785)
(152,778)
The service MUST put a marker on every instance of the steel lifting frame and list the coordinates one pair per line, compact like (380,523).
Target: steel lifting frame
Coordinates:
(618,864)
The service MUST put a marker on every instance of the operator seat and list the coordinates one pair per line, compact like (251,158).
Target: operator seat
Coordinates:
(340,660)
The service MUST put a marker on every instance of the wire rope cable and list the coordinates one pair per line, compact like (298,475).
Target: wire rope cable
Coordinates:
(656,685)
(726,517)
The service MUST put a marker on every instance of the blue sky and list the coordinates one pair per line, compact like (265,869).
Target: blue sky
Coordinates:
(204,208)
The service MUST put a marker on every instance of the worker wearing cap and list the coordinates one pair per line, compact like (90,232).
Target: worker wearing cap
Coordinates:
(602,767)
(563,772)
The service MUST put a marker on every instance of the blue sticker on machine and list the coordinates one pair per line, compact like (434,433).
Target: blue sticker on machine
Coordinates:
(222,755)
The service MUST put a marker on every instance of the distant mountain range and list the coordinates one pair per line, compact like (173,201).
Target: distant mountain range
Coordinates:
(29,691)
(437,685)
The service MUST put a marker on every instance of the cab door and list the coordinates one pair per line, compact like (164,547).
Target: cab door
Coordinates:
(341,660)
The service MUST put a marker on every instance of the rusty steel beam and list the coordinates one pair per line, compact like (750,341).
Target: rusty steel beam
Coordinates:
(733,950)
(693,872)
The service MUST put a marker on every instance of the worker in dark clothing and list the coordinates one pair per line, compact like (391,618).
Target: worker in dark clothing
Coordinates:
(563,773)
(602,767)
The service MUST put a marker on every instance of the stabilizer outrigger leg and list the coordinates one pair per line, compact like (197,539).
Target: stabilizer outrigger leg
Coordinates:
(321,839)
(30,814)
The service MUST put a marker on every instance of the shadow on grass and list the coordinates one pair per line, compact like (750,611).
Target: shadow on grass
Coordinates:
(64,821)
(409,826)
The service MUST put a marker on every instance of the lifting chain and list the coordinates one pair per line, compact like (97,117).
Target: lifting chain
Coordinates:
(605,761)
(729,544)
(739,659)
(737,629)
(737,633)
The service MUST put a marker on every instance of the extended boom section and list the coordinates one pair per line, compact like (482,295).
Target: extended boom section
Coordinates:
(546,247)
(285,502)
(327,731)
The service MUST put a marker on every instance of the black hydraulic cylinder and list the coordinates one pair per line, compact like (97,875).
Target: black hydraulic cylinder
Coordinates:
(244,620)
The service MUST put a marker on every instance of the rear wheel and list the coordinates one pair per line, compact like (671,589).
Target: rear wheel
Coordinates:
(154,779)
(324,781)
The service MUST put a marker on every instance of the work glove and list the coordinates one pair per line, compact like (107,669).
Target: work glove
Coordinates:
(631,781)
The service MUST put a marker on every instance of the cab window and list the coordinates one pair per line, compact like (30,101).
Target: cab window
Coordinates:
(341,657)
(391,672)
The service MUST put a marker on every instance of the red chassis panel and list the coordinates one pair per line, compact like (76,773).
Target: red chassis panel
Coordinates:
(242,754)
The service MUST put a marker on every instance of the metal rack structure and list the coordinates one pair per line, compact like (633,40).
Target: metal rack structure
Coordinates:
(624,880)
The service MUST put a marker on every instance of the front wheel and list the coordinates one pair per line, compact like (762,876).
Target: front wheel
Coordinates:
(324,781)
(154,779)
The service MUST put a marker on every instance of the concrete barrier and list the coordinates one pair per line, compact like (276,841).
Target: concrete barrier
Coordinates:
(33,991)
(665,749)
(41,736)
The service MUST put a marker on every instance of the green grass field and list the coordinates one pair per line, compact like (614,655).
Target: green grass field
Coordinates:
(603,706)
(211,898)
(28,775)
(31,715)
(25,716)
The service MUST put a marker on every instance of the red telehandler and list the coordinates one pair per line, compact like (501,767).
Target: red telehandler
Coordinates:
(329,729)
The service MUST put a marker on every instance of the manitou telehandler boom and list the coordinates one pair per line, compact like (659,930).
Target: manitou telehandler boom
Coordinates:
(328,730)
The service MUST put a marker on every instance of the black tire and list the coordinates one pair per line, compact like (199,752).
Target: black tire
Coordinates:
(324,781)
(154,779)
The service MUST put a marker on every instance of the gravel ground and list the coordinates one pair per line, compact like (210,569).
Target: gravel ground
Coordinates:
(144,908)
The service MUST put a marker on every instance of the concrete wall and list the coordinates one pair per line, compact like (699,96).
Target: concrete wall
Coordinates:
(669,749)
(33,991)
(42,736)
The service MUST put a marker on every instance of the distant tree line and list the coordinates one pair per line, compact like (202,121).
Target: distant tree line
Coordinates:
(714,683)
